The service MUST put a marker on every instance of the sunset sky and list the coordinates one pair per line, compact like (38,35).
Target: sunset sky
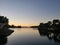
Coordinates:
(30,12)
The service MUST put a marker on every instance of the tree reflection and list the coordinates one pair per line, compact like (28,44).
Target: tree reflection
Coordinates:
(52,35)
(3,36)
(3,41)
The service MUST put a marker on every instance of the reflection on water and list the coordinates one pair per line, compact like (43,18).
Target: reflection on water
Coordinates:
(55,35)
(3,41)
(3,36)
(29,36)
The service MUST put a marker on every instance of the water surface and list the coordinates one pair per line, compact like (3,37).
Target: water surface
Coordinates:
(30,36)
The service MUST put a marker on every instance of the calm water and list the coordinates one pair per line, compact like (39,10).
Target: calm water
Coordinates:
(30,36)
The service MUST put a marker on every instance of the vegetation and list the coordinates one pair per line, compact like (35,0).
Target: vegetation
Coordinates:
(50,25)
(12,26)
(3,22)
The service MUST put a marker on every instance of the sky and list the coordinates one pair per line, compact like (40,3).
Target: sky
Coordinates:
(30,12)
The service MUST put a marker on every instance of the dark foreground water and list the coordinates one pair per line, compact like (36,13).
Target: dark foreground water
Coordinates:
(30,36)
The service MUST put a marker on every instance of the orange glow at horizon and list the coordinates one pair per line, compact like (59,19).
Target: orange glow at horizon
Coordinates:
(23,24)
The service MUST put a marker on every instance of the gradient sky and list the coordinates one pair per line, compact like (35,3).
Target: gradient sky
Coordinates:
(30,12)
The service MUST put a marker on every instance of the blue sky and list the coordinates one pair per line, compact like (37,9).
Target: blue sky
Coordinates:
(30,12)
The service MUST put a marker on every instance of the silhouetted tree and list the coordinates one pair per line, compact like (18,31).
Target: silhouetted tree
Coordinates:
(54,25)
(4,21)
(56,21)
